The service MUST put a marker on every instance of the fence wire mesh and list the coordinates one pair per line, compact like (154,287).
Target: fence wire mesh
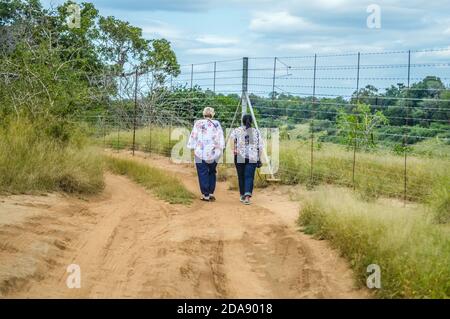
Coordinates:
(348,119)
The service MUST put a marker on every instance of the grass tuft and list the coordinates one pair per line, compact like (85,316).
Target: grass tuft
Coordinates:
(165,186)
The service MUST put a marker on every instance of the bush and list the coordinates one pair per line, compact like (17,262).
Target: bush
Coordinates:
(33,160)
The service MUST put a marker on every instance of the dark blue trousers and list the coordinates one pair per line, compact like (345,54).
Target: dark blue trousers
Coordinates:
(246,177)
(206,176)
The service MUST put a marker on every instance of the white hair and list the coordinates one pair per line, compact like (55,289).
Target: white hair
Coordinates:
(208,112)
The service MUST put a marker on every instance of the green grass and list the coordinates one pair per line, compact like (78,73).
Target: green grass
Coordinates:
(376,174)
(439,200)
(379,173)
(155,140)
(432,147)
(164,185)
(412,251)
(32,161)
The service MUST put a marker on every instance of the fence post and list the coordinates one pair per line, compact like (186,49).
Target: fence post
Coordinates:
(149,121)
(244,85)
(135,109)
(104,131)
(192,76)
(355,141)
(214,83)
(118,133)
(405,137)
(170,131)
(312,122)
(273,88)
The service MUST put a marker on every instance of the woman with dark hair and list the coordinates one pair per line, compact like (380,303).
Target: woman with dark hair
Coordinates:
(248,146)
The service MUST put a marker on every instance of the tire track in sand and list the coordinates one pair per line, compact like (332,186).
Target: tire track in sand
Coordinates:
(129,244)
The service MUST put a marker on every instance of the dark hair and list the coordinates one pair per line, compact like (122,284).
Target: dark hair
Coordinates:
(247,121)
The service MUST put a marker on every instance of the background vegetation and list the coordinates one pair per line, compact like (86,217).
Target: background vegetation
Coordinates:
(50,74)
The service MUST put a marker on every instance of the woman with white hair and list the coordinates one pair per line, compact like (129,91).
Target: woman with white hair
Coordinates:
(207,141)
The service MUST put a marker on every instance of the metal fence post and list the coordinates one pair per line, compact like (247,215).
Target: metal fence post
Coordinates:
(355,139)
(170,129)
(104,131)
(244,85)
(273,89)
(135,109)
(214,81)
(312,122)
(149,121)
(192,76)
(405,137)
(118,134)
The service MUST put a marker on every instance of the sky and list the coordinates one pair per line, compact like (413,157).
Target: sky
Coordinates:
(211,30)
(207,30)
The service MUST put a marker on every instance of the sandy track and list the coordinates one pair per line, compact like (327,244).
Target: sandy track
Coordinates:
(129,244)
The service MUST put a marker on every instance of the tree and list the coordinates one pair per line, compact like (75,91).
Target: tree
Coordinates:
(48,68)
(122,44)
(357,128)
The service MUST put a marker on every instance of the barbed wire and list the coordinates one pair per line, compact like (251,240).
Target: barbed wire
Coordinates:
(278,90)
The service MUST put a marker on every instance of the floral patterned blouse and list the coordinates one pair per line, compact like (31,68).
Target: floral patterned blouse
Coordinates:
(207,139)
(247,143)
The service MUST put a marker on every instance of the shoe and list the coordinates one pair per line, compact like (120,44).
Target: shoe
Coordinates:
(212,198)
(205,198)
(241,199)
(247,200)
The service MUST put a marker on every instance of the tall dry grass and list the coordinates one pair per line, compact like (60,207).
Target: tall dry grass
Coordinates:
(148,139)
(31,160)
(376,174)
(412,251)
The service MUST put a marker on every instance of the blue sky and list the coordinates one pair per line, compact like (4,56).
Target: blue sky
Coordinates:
(211,30)
(206,30)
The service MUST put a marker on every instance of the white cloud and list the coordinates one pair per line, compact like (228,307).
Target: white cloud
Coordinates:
(160,29)
(328,4)
(295,46)
(216,51)
(281,21)
(217,40)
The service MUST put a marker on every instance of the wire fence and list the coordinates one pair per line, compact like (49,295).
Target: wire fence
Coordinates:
(312,100)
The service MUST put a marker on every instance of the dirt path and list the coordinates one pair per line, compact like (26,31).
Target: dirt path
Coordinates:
(129,244)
